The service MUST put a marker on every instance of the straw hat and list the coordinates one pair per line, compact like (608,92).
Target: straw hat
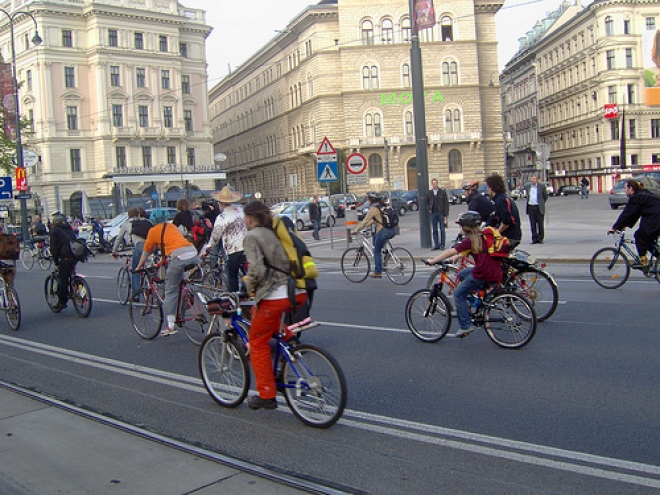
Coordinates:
(226,195)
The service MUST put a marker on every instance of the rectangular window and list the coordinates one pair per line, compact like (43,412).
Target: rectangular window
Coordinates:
(117,116)
(614,129)
(69,77)
(67,37)
(139,41)
(171,155)
(632,129)
(185,85)
(146,156)
(183,50)
(114,75)
(634,160)
(162,43)
(72,118)
(143,113)
(187,118)
(629,58)
(655,128)
(626,27)
(167,116)
(609,56)
(631,93)
(611,94)
(615,161)
(165,79)
(141,77)
(31,119)
(655,157)
(76,161)
(190,156)
(113,40)
(28,77)
(650,23)
(120,157)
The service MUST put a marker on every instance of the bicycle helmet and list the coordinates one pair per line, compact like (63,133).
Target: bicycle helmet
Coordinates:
(469,219)
(374,196)
(471,185)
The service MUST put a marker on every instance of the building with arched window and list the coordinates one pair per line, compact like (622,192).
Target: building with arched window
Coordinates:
(355,58)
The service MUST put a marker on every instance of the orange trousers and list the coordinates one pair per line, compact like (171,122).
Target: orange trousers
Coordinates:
(266,318)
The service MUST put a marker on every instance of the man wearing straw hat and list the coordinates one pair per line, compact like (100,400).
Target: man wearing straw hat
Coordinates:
(229,227)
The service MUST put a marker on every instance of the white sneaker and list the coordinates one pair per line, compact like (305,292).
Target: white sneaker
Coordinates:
(165,332)
(464,333)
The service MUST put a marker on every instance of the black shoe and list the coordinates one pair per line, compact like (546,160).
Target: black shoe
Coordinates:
(437,248)
(59,306)
(255,402)
(442,248)
(534,242)
(540,241)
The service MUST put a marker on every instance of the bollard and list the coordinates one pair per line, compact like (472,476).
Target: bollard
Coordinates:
(350,221)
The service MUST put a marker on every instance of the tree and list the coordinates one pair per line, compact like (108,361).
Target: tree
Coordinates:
(8,146)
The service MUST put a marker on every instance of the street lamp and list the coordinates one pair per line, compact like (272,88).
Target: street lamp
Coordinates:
(36,40)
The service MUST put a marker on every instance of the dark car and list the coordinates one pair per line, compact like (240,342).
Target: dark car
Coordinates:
(457,196)
(398,204)
(568,189)
(410,197)
(342,201)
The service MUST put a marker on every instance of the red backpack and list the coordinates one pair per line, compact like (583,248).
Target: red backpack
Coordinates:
(494,243)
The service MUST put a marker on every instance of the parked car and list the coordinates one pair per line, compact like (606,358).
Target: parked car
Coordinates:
(342,201)
(457,196)
(397,202)
(278,207)
(111,230)
(618,196)
(301,210)
(410,197)
(568,189)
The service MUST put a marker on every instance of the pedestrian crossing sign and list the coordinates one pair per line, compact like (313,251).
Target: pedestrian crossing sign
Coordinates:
(327,171)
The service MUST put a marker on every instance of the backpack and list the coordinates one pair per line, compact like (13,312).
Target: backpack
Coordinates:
(495,243)
(303,267)
(141,227)
(79,249)
(389,217)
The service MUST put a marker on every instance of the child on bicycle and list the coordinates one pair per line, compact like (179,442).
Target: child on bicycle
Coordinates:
(486,269)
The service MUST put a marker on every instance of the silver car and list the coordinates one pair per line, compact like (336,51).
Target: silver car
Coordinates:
(618,195)
(301,210)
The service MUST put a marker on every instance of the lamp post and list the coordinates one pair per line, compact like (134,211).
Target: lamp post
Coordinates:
(36,40)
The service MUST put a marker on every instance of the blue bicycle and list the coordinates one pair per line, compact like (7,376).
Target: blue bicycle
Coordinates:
(311,380)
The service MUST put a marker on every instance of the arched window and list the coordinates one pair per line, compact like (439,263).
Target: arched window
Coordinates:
(609,26)
(310,86)
(372,125)
(446,29)
(452,120)
(387,31)
(455,162)
(375,163)
(370,77)
(449,73)
(405,75)
(406,31)
(367,33)
(408,123)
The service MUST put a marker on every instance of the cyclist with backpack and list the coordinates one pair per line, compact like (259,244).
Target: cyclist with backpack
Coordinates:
(385,220)
(136,229)
(61,236)
(486,269)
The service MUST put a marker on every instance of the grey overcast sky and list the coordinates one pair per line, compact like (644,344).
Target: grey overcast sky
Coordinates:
(242,28)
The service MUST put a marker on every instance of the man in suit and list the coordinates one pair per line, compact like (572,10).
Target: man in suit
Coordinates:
(437,203)
(537,195)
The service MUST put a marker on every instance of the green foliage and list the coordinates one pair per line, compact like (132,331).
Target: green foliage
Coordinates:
(649,78)
(8,146)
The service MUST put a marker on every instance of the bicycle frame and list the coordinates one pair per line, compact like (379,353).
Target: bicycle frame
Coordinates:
(623,244)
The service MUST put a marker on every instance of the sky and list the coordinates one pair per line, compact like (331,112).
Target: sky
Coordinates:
(237,35)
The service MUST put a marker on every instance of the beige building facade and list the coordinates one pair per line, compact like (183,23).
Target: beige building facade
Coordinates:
(116,88)
(341,70)
(557,88)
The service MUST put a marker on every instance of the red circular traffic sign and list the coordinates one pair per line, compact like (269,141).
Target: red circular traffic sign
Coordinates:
(356,163)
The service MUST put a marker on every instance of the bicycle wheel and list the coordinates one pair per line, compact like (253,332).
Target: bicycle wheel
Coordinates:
(194,319)
(355,265)
(214,279)
(13,312)
(50,292)
(81,296)
(27,260)
(223,367)
(609,268)
(399,266)
(123,285)
(146,314)
(509,320)
(314,386)
(428,317)
(45,259)
(541,289)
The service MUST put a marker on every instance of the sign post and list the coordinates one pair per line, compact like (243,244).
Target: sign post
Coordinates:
(327,171)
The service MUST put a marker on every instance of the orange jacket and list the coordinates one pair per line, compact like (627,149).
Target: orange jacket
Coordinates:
(173,239)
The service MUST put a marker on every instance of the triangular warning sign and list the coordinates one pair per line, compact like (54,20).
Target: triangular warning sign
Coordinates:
(326,148)
(328,173)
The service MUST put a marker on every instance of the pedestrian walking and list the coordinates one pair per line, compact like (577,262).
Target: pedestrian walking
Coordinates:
(437,203)
(537,195)
(315,216)
(584,188)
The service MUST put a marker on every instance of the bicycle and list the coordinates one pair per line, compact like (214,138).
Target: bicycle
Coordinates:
(507,317)
(10,305)
(36,250)
(311,380)
(521,272)
(610,266)
(123,287)
(398,263)
(146,308)
(78,292)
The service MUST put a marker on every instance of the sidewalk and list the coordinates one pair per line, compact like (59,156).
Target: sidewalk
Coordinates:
(46,449)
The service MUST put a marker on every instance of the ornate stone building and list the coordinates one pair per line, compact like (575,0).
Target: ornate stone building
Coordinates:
(341,70)
(116,87)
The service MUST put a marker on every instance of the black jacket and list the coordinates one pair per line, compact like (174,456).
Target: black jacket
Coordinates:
(60,237)
(314,211)
(506,212)
(482,205)
(438,203)
(646,205)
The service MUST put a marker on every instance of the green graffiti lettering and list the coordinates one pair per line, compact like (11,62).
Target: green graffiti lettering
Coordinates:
(437,97)
(386,99)
(405,98)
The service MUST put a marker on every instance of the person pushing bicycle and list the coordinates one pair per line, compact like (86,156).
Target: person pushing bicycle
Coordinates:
(375,217)
(486,269)
(645,205)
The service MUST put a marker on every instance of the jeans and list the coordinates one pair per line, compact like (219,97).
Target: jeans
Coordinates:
(438,219)
(316,223)
(380,240)
(135,260)
(584,192)
(234,262)
(468,285)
